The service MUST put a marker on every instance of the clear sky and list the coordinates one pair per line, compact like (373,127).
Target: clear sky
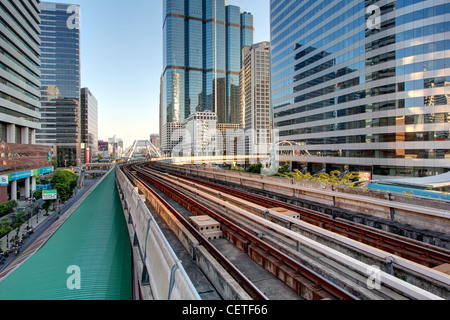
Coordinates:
(121,60)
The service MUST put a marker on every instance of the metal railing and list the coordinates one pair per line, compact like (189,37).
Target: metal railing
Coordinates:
(162,269)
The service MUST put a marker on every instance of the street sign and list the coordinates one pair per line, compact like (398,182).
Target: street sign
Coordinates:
(49,195)
(4,181)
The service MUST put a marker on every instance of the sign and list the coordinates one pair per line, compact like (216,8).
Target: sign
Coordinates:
(49,195)
(4,181)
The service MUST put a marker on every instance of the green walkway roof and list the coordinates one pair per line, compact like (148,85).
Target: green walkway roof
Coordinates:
(95,239)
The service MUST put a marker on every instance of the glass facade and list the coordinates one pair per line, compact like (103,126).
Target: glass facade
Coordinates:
(60,88)
(21,160)
(202,56)
(256,112)
(19,66)
(89,125)
(359,88)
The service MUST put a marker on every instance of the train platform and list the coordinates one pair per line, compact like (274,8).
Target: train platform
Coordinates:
(84,255)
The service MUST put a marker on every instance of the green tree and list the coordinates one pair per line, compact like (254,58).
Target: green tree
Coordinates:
(64,176)
(62,191)
(65,181)
(46,206)
(37,194)
(284,171)
(8,207)
(255,168)
(20,220)
(5,226)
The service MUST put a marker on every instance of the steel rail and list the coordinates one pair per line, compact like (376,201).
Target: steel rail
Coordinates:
(321,287)
(429,257)
(246,284)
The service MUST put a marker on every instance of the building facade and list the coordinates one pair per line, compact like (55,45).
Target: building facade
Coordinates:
(363,85)
(200,134)
(202,59)
(60,88)
(256,112)
(21,160)
(89,126)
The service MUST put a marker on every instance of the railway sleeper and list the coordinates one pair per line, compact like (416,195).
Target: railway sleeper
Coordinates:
(304,287)
(236,239)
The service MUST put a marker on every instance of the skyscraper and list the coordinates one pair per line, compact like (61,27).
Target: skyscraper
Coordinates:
(89,126)
(21,160)
(60,89)
(202,59)
(256,113)
(363,87)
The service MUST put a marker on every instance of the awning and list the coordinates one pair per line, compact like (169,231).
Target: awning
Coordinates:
(439,181)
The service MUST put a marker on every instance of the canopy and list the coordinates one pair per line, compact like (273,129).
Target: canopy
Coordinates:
(439,181)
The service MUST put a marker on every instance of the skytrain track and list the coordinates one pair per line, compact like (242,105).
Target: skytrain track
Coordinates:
(307,283)
(404,280)
(418,252)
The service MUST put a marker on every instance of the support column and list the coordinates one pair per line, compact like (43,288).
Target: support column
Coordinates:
(14,190)
(33,136)
(25,132)
(33,184)
(11,133)
(27,188)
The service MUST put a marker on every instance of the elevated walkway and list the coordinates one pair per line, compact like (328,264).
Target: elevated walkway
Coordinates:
(91,249)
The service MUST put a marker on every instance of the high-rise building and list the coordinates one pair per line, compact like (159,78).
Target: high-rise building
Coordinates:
(21,160)
(201,129)
(202,59)
(256,113)
(89,126)
(362,85)
(60,89)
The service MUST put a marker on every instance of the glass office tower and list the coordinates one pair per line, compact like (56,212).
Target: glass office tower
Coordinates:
(202,59)
(21,160)
(60,88)
(363,85)
(89,126)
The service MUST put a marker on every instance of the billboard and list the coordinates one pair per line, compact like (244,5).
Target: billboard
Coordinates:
(4,181)
(22,159)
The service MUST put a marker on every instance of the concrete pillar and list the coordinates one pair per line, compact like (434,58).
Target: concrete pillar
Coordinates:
(14,190)
(33,184)
(33,136)
(11,133)
(27,188)
(24,133)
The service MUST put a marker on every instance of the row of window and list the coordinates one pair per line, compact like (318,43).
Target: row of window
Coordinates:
(375,138)
(371,123)
(384,154)
(432,47)
(425,13)
(418,32)
(18,76)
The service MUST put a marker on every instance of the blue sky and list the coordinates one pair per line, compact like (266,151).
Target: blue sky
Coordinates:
(121,60)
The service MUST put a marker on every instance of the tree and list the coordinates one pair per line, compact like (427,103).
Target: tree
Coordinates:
(37,194)
(255,168)
(284,171)
(62,191)
(20,220)
(46,206)
(8,207)
(5,226)
(65,181)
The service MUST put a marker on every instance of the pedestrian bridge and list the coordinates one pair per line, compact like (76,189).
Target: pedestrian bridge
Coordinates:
(108,248)
(88,256)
